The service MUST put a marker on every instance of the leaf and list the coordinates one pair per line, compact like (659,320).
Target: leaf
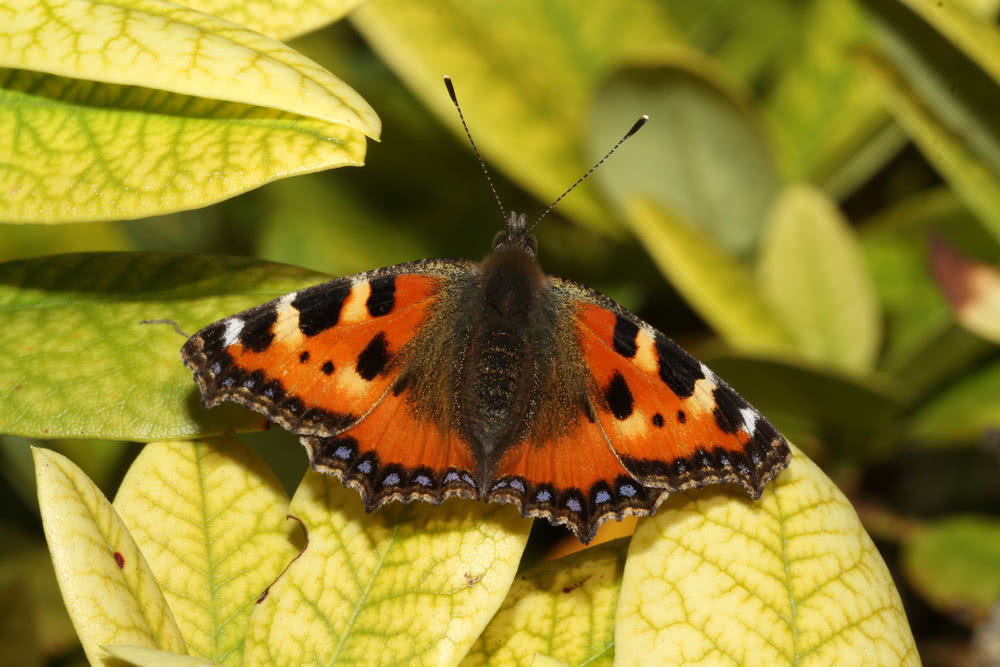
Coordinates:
(923,346)
(81,151)
(283,20)
(812,273)
(972,289)
(791,579)
(562,609)
(79,362)
(847,411)
(976,36)
(719,287)
(524,73)
(824,111)
(702,156)
(955,564)
(944,102)
(963,411)
(143,656)
(211,519)
(406,583)
(109,590)
(162,45)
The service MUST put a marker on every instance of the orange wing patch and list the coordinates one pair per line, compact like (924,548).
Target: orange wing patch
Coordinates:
(671,421)
(576,480)
(317,360)
(392,454)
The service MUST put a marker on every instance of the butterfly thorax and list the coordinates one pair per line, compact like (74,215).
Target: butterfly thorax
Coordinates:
(498,372)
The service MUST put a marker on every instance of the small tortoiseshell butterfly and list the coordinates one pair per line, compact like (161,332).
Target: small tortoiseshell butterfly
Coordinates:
(489,380)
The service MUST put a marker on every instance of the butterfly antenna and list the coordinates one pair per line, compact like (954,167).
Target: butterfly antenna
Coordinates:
(635,128)
(461,117)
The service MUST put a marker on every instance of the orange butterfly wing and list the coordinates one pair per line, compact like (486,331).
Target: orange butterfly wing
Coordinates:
(325,362)
(672,422)
(654,421)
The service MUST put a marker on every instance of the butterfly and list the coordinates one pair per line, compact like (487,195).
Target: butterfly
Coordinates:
(448,378)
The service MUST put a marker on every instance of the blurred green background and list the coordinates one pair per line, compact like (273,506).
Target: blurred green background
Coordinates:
(813,210)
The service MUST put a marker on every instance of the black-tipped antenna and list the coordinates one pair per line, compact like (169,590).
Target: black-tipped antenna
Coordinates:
(635,128)
(461,117)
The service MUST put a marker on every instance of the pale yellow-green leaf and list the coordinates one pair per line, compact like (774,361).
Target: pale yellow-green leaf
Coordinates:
(109,604)
(283,19)
(718,286)
(210,518)
(144,656)
(715,578)
(545,661)
(524,72)
(80,150)
(563,609)
(703,155)
(812,273)
(166,46)
(977,36)
(407,584)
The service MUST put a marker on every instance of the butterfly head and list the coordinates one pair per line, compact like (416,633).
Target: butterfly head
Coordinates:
(516,235)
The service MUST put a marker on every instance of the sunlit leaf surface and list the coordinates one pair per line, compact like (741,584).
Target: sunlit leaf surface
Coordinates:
(211,520)
(81,363)
(813,275)
(406,584)
(792,579)
(109,590)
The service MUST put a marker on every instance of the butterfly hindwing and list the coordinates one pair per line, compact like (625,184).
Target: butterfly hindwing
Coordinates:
(575,479)
(326,362)
(672,423)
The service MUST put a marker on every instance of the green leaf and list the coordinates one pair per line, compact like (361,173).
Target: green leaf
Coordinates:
(143,656)
(702,156)
(944,101)
(281,20)
(80,363)
(162,45)
(524,73)
(718,286)
(216,552)
(83,151)
(816,398)
(923,345)
(812,273)
(955,564)
(792,579)
(963,411)
(406,583)
(977,36)
(563,609)
(109,590)
(825,113)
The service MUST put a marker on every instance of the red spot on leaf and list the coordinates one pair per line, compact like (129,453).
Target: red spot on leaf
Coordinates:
(573,587)
(119,559)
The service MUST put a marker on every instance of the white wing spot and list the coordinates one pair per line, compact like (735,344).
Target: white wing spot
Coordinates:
(749,420)
(574,505)
(233,328)
(707,372)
